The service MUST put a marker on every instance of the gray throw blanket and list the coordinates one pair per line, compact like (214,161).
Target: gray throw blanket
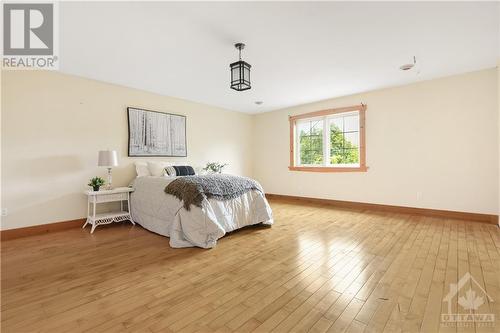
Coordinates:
(193,189)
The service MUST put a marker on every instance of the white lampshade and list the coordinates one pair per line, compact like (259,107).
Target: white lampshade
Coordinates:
(107,158)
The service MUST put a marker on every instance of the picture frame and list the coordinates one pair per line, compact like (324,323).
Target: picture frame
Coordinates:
(156,134)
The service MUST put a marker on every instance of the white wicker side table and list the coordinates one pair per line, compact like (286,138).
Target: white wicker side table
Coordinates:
(120,194)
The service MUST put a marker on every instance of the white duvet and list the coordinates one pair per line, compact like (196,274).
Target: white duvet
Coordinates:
(164,214)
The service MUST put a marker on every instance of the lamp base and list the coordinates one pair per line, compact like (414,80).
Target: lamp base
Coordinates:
(110,179)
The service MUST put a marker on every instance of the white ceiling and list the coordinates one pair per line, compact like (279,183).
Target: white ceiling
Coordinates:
(300,52)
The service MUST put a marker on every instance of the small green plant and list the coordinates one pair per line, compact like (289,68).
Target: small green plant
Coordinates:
(96,182)
(215,167)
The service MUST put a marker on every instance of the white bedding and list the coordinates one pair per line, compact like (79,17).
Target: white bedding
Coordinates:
(164,214)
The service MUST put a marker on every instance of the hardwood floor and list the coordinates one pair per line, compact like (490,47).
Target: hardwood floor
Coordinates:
(317,269)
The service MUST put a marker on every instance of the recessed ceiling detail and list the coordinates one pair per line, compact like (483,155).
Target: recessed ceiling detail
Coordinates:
(408,66)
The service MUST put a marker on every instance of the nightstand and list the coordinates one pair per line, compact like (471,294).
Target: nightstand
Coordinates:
(120,194)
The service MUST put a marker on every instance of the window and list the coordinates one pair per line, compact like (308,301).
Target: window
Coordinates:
(328,140)
(310,141)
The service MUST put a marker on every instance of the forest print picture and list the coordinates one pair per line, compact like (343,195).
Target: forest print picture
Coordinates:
(154,133)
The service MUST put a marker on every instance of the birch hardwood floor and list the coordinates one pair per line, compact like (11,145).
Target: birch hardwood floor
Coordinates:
(318,269)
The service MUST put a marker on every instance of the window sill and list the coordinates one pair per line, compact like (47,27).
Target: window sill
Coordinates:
(328,169)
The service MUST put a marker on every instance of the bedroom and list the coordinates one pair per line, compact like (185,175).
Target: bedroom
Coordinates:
(359,172)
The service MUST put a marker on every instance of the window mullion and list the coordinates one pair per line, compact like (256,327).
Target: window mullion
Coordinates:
(326,143)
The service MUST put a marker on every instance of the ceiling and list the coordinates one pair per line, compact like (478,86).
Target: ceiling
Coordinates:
(300,52)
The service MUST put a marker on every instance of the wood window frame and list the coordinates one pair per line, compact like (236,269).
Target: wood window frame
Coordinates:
(362,140)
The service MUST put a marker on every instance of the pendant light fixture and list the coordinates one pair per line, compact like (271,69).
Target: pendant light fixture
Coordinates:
(240,72)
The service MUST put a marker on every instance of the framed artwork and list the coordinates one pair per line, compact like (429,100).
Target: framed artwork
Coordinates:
(152,133)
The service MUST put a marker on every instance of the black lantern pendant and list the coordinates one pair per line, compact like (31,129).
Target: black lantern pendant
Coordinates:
(240,72)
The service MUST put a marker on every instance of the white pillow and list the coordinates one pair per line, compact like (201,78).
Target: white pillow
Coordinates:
(142,170)
(157,169)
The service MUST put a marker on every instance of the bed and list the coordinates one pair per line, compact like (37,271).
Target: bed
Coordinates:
(166,215)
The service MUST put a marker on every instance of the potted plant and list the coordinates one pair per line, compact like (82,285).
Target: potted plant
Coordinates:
(214,167)
(96,182)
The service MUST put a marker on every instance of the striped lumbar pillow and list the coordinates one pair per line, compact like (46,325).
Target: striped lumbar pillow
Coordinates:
(170,171)
(179,170)
(184,170)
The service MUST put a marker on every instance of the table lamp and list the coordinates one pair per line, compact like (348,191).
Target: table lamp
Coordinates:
(109,159)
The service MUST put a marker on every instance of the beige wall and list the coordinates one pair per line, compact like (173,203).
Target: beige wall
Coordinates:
(438,138)
(54,124)
(432,144)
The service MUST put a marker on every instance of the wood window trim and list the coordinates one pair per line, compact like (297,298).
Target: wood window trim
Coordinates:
(361,108)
